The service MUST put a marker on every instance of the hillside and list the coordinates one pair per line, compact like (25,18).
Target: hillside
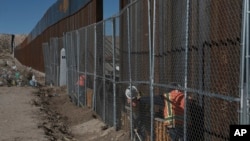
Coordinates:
(5,41)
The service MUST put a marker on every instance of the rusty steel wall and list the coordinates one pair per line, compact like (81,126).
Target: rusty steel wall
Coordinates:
(30,53)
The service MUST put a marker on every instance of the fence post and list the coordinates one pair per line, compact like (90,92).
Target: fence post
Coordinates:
(186,69)
(95,61)
(151,46)
(244,67)
(103,74)
(77,59)
(114,70)
(57,61)
(129,68)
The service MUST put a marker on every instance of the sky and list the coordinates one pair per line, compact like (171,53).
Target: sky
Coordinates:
(21,16)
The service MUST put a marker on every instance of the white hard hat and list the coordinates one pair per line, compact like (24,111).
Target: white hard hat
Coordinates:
(131,93)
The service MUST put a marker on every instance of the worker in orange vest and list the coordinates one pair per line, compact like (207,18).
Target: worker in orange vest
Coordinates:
(81,80)
(81,84)
(173,111)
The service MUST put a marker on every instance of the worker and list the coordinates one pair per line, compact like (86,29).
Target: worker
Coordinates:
(133,98)
(81,85)
(173,111)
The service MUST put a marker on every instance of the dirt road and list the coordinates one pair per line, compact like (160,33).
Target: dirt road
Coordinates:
(18,118)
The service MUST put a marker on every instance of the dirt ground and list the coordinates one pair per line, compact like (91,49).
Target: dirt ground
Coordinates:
(18,118)
(46,113)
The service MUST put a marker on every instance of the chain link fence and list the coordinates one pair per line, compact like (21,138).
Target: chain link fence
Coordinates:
(196,44)
(51,53)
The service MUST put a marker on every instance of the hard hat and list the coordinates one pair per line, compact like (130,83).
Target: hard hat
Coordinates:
(82,76)
(174,86)
(131,93)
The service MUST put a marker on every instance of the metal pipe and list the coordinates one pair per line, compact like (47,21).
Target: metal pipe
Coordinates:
(95,44)
(103,73)
(66,53)
(242,62)
(137,135)
(151,72)
(57,56)
(129,69)
(114,71)
(246,69)
(245,108)
(72,67)
(77,47)
(85,67)
(186,70)
(161,34)
(136,40)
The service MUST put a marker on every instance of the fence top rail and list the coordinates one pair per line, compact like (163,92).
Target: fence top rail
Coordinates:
(204,93)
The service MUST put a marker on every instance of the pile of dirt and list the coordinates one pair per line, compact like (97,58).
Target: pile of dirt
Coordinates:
(55,125)
(13,74)
(63,120)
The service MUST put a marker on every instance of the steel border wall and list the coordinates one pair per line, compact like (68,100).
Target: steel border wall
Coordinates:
(30,53)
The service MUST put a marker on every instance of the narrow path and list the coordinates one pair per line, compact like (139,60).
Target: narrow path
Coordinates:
(18,117)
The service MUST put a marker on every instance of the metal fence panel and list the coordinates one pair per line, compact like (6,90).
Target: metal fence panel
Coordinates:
(70,65)
(82,53)
(100,92)
(215,51)
(54,60)
(109,65)
(46,56)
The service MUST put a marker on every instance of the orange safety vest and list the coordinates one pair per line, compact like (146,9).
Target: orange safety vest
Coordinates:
(81,80)
(174,108)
